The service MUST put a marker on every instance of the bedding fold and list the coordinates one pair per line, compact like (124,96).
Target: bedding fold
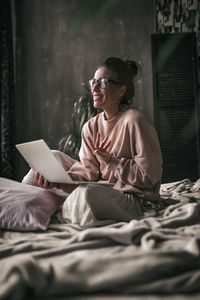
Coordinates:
(159,255)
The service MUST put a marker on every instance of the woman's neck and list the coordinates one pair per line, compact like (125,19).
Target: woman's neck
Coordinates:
(112,112)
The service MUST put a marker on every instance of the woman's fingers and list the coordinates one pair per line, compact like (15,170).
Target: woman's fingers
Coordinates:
(99,145)
(91,143)
(106,146)
(37,176)
(97,141)
(103,142)
(46,184)
(104,155)
(41,181)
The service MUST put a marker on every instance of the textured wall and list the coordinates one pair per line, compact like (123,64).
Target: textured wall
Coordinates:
(58,45)
(178,17)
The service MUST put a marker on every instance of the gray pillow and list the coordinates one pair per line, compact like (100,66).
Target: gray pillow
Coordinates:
(24,207)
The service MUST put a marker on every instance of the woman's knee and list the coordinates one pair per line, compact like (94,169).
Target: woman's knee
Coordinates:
(29,178)
(76,209)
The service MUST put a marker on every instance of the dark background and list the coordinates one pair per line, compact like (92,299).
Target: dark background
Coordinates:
(57,46)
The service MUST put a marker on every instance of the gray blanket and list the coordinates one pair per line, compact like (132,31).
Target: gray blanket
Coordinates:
(153,255)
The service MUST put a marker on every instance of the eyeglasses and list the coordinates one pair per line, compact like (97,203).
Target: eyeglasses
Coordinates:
(101,82)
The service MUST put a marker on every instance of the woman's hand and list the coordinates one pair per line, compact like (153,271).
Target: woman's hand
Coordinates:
(100,148)
(44,183)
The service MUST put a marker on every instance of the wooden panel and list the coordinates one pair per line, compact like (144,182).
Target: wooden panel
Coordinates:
(176,107)
(179,143)
(174,67)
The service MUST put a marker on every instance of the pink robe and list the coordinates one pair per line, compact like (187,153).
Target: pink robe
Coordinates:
(136,164)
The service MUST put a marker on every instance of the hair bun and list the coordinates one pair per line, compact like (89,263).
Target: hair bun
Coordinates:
(126,70)
(133,66)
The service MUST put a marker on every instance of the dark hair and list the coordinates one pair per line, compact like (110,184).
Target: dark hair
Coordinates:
(126,70)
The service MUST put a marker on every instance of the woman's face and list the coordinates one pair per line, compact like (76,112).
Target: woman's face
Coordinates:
(109,96)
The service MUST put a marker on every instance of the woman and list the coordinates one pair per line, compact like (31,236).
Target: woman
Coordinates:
(119,147)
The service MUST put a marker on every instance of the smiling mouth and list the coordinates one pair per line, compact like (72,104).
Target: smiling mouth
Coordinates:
(97,97)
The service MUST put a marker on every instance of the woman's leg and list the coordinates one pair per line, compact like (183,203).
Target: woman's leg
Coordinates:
(108,203)
(76,209)
(89,203)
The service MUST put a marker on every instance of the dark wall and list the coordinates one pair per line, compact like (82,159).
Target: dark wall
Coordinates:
(58,45)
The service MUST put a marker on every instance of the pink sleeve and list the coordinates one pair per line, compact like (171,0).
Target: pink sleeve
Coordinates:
(88,167)
(143,171)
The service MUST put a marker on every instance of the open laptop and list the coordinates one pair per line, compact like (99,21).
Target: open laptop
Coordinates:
(42,160)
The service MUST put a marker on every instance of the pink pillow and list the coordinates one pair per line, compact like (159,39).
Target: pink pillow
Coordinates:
(24,207)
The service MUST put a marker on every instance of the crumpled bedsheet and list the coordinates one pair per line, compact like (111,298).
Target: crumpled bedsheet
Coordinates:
(153,255)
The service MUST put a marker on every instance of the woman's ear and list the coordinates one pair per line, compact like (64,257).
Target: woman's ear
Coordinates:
(122,90)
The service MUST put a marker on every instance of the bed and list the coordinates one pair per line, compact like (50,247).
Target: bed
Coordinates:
(150,258)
